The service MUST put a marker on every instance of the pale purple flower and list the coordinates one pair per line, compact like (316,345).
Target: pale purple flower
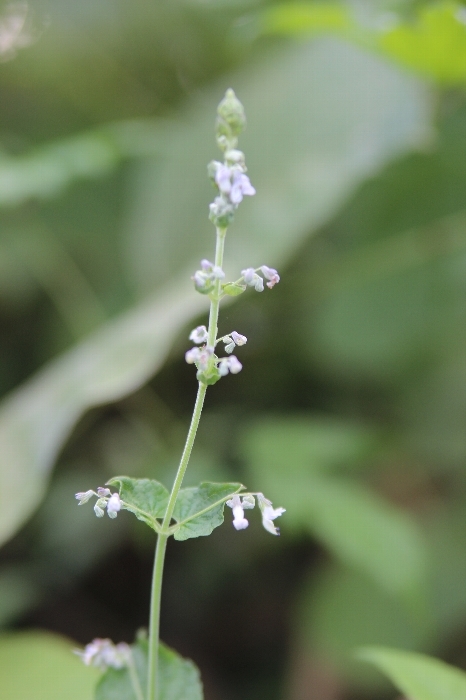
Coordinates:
(249,275)
(241,186)
(271,275)
(238,339)
(84,496)
(223,179)
(101,492)
(199,335)
(206,265)
(103,654)
(192,356)
(229,364)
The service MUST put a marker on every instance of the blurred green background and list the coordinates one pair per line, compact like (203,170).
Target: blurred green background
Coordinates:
(351,407)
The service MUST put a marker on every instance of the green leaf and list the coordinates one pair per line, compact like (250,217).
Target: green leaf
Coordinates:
(419,677)
(296,18)
(42,666)
(358,526)
(178,677)
(146,498)
(116,360)
(340,609)
(233,289)
(434,43)
(199,510)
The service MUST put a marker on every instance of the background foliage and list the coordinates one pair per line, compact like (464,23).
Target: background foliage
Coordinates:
(351,408)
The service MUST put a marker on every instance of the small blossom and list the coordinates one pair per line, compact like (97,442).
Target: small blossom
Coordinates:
(206,265)
(101,492)
(229,344)
(113,505)
(249,275)
(241,186)
(271,275)
(259,284)
(99,508)
(269,513)
(239,521)
(218,273)
(84,496)
(192,356)
(238,339)
(103,654)
(199,335)
(229,364)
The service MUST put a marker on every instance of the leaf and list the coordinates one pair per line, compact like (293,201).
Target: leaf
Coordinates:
(178,677)
(199,510)
(46,171)
(341,609)
(419,677)
(358,526)
(433,43)
(38,417)
(233,289)
(42,666)
(296,18)
(146,498)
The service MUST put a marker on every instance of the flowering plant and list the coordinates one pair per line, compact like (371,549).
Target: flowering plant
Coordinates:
(148,670)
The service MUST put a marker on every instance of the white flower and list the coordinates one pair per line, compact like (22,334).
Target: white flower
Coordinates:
(192,356)
(113,505)
(84,496)
(269,513)
(101,492)
(99,507)
(199,335)
(252,279)
(238,339)
(239,521)
(103,654)
(229,364)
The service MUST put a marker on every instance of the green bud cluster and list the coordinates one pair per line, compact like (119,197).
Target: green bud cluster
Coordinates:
(231,121)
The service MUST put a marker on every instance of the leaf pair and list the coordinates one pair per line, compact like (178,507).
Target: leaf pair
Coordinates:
(198,510)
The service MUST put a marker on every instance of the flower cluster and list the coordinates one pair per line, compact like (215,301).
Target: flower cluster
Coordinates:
(204,279)
(229,177)
(105,500)
(103,654)
(210,367)
(250,277)
(241,503)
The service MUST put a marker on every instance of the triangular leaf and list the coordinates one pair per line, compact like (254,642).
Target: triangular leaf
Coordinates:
(419,677)
(199,510)
(146,498)
(178,678)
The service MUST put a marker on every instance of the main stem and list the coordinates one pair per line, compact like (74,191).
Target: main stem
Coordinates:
(159,558)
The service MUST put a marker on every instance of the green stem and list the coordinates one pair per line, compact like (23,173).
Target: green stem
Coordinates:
(157,576)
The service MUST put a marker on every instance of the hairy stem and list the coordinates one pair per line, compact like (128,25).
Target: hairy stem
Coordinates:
(157,576)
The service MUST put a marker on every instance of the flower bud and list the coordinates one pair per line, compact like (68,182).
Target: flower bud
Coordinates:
(231,120)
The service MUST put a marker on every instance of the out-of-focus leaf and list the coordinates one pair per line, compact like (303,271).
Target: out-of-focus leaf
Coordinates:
(199,510)
(307,444)
(42,666)
(306,18)
(339,610)
(434,44)
(419,677)
(178,677)
(47,170)
(37,418)
(358,526)
(146,498)
(321,118)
